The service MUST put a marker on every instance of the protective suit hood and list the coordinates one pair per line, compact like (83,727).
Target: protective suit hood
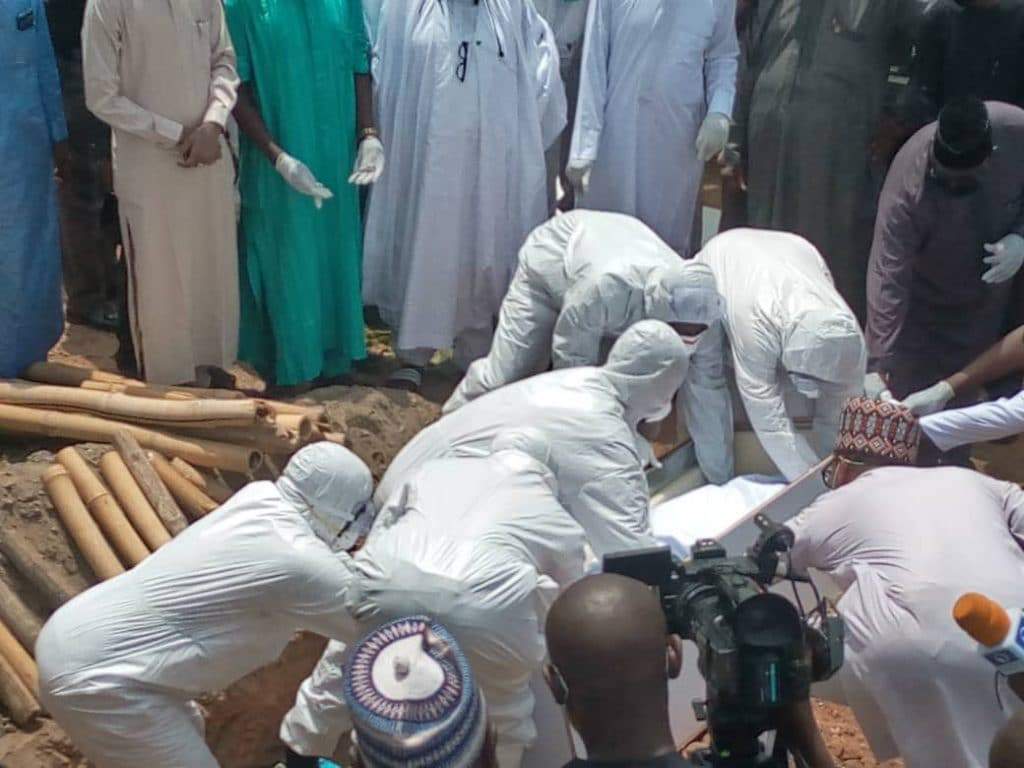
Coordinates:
(330,487)
(686,293)
(824,346)
(647,366)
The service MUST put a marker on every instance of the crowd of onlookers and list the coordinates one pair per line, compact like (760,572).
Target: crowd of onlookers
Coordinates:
(473,122)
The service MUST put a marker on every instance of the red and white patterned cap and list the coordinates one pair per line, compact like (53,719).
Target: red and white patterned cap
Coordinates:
(878,432)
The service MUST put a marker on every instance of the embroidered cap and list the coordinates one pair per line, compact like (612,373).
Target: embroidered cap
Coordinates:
(878,432)
(413,698)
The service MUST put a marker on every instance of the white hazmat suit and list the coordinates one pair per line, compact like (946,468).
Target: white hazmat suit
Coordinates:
(785,320)
(905,544)
(479,544)
(469,97)
(652,71)
(590,416)
(120,664)
(584,278)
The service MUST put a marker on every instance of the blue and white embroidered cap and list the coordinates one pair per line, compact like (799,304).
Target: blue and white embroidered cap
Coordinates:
(413,698)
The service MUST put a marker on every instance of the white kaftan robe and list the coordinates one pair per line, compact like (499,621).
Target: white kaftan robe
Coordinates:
(469,96)
(652,70)
(154,68)
(905,544)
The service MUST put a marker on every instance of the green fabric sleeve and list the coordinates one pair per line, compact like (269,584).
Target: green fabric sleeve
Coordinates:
(238,29)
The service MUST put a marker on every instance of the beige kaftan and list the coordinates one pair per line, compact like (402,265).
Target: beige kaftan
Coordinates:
(152,68)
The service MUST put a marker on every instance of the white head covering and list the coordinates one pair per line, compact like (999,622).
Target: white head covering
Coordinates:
(647,366)
(683,293)
(823,346)
(331,487)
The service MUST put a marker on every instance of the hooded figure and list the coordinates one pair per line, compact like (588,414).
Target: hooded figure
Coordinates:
(584,278)
(469,98)
(786,321)
(656,95)
(479,542)
(120,664)
(590,416)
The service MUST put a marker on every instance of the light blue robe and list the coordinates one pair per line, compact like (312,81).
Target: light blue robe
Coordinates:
(31,122)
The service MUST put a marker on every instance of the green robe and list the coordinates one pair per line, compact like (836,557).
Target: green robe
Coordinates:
(301,270)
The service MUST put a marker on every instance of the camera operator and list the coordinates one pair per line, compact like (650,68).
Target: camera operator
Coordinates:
(905,543)
(611,659)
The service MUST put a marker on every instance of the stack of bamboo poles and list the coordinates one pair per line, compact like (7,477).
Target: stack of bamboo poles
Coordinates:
(173,449)
(213,429)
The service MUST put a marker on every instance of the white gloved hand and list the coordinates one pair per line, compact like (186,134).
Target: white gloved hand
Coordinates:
(1006,259)
(578,173)
(876,389)
(931,400)
(301,179)
(369,163)
(713,136)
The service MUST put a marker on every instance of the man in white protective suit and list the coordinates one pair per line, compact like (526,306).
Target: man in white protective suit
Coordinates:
(120,665)
(469,98)
(480,544)
(789,329)
(585,277)
(592,417)
(904,544)
(656,96)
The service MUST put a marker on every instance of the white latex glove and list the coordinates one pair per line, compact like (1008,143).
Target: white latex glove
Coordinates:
(369,163)
(1006,259)
(931,400)
(876,388)
(301,179)
(713,136)
(578,173)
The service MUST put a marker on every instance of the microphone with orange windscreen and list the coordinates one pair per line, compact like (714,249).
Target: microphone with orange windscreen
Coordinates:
(998,631)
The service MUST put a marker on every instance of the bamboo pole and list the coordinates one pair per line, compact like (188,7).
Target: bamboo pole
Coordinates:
(133,501)
(73,426)
(35,570)
(16,696)
(275,440)
(193,501)
(19,617)
(64,375)
(19,658)
(199,414)
(104,509)
(149,481)
(315,413)
(209,484)
(296,424)
(81,527)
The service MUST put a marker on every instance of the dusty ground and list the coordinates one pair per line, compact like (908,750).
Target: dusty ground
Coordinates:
(242,722)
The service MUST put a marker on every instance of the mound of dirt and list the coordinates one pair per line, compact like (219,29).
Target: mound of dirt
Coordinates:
(242,722)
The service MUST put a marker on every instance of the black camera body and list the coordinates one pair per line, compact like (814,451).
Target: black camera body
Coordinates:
(757,653)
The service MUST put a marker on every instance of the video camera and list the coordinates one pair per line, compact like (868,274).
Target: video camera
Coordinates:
(759,654)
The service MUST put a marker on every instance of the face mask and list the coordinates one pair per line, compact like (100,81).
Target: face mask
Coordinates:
(806,385)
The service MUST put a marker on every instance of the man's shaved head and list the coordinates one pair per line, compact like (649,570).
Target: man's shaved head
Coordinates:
(605,632)
(1008,748)
(612,658)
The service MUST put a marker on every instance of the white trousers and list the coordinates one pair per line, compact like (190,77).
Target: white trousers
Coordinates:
(521,346)
(118,723)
